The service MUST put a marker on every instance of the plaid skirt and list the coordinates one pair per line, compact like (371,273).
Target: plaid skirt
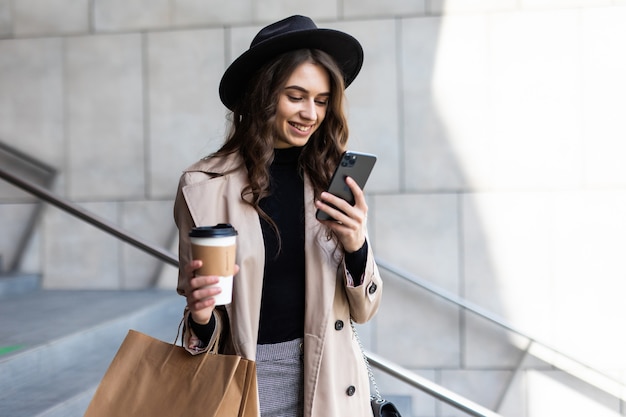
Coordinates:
(280,376)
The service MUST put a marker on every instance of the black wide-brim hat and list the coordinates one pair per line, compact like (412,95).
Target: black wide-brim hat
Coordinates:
(295,32)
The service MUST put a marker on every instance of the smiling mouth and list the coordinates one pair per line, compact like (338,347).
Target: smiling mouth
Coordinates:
(301,128)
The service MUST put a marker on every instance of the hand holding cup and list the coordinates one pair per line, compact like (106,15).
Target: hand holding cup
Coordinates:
(201,292)
(213,251)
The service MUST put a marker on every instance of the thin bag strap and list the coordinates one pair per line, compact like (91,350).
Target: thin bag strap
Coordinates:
(370,374)
(180,325)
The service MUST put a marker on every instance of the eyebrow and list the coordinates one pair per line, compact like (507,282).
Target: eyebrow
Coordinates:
(304,90)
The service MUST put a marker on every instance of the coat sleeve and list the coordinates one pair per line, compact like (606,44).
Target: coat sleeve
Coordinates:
(364,299)
(193,344)
(184,223)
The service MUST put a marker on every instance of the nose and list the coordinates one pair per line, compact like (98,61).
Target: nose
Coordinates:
(308,110)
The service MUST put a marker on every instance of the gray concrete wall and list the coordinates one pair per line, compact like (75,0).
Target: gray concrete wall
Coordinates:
(500,131)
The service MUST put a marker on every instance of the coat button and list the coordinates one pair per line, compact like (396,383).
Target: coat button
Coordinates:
(372,288)
(351,390)
(338,325)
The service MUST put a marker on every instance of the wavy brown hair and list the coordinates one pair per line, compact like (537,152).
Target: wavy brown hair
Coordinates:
(252,131)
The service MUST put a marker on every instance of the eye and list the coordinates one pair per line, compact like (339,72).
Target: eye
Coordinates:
(321,102)
(294,98)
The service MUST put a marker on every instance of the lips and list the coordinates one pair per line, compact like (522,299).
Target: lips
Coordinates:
(301,128)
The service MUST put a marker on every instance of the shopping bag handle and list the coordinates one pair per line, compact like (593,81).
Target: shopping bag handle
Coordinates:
(214,343)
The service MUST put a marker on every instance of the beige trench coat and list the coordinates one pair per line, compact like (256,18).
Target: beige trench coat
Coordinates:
(335,377)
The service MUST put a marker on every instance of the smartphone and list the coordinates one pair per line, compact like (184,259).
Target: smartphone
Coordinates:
(358,166)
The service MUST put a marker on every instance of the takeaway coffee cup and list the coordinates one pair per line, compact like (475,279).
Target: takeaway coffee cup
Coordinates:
(216,247)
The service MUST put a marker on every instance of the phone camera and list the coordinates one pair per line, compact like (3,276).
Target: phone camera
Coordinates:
(349,160)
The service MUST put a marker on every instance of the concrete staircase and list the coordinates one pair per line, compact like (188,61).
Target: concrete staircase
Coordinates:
(56,345)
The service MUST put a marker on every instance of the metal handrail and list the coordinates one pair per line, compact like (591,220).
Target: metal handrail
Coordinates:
(35,163)
(536,347)
(89,217)
(390,368)
(45,173)
(429,387)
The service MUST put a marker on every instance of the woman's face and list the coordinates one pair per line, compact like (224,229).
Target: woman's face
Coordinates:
(301,105)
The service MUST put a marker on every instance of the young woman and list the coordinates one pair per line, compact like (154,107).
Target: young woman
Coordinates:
(300,281)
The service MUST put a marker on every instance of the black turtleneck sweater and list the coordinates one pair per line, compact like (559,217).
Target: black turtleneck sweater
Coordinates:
(282,302)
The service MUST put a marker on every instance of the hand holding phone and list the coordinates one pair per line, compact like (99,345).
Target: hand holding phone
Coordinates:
(356,165)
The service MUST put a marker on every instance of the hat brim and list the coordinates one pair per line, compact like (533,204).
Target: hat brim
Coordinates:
(344,48)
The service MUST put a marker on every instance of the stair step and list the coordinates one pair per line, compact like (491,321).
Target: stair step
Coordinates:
(69,338)
(16,284)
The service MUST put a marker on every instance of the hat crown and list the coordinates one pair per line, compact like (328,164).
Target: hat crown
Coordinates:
(291,24)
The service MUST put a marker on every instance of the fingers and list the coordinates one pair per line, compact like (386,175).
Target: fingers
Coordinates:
(201,289)
(342,211)
(357,192)
(202,292)
(350,221)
